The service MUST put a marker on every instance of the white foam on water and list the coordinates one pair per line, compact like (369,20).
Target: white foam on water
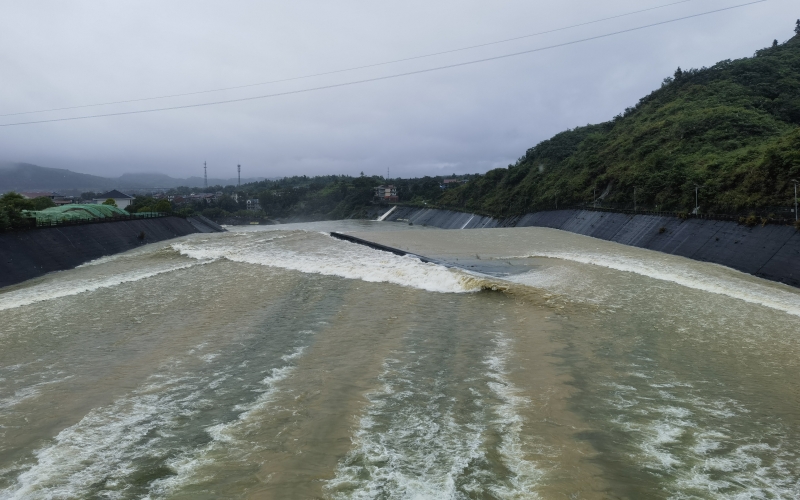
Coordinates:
(131,254)
(65,288)
(103,447)
(314,253)
(106,447)
(743,474)
(29,392)
(409,445)
(526,475)
(655,436)
(715,279)
(690,443)
(228,437)
(422,455)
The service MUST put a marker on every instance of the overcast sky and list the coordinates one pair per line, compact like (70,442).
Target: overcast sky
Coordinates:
(463,120)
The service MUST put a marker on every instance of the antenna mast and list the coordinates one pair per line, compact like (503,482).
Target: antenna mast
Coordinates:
(239,168)
(205,173)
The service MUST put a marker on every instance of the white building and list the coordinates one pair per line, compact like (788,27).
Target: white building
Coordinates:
(121,199)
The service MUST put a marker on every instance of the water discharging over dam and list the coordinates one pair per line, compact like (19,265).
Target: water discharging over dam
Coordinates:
(278,362)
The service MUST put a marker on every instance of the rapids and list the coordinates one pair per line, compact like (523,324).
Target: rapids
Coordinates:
(278,362)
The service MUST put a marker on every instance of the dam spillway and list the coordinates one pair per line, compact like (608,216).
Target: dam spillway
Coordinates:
(771,251)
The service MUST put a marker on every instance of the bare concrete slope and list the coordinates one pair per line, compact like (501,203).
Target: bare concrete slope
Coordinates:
(771,252)
(29,254)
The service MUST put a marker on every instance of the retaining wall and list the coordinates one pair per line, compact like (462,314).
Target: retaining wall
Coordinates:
(35,252)
(771,252)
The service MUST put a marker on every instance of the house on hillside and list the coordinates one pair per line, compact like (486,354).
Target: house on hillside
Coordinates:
(58,199)
(206,197)
(121,199)
(253,204)
(41,194)
(450,183)
(386,194)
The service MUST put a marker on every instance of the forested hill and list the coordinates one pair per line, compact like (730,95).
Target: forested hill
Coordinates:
(733,129)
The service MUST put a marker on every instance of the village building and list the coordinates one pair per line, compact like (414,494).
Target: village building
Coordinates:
(206,197)
(386,194)
(450,183)
(41,194)
(58,199)
(121,199)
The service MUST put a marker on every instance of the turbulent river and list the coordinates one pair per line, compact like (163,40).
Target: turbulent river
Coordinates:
(279,362)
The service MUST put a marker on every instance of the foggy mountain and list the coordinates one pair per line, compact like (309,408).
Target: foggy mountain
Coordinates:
(28,177)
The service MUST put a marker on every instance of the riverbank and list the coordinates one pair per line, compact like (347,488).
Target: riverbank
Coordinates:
(32,253)
(770,252)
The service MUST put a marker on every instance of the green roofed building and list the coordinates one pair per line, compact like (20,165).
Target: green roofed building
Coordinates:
(75,212)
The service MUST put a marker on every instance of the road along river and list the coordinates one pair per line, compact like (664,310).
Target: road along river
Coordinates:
(278,362)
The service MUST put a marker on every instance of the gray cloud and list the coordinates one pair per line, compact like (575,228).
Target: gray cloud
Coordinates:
(467,119)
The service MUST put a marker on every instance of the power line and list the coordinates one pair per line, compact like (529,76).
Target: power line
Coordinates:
(387,77)
(353,68)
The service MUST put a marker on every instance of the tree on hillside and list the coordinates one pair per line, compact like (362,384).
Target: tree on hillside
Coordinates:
(111,202)
(163,206)
(42,202)
(11,206)
(797,27)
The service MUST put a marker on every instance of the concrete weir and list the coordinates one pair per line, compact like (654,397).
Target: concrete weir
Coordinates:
(770,252)
(32,253)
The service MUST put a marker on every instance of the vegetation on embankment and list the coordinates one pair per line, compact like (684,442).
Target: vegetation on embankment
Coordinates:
(732,129)
(320,198)
(12,205)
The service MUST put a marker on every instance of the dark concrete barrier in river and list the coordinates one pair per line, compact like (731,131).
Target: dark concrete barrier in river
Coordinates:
(35,252)
(771,252)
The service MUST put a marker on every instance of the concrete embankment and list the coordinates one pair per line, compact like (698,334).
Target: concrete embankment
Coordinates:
(32,253)
(770,252)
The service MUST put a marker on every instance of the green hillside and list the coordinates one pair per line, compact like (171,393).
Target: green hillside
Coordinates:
(733,129)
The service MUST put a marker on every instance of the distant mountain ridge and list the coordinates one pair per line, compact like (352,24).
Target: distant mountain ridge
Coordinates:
(29,177)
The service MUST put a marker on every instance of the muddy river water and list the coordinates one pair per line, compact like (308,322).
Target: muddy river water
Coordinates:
(278,362)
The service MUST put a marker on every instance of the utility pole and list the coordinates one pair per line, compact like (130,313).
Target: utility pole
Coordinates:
(634,198)
(239,184)
(795,198)
(205,173)
(594,203)
(696,205)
